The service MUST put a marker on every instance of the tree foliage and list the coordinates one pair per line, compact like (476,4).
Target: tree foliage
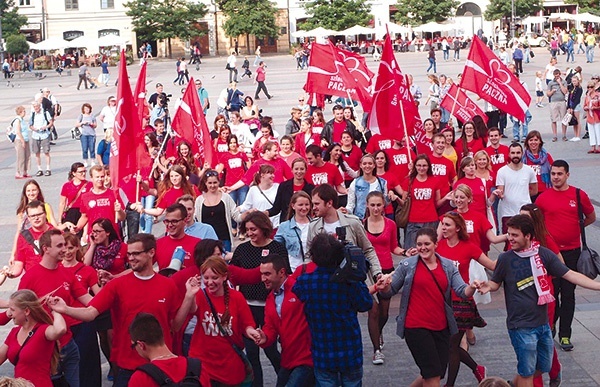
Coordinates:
(497,9)
(336,15)
(165,19)
(16,45)
(11,20)
(590,6)
(255,17)
(417,12)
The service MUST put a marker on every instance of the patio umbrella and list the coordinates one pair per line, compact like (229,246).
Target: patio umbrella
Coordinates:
(587,17)
(84,42)
(299,34)
(357,30)
(320,31)
(53,43)
(112,40)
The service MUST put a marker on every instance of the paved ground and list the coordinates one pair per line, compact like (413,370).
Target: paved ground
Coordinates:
(284,82)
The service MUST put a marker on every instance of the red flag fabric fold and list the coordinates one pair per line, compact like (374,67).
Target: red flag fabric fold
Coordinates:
(458,103)
(139,94)
(490,79)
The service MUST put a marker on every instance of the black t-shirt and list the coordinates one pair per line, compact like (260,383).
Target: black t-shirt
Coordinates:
(519,288)
(153,100)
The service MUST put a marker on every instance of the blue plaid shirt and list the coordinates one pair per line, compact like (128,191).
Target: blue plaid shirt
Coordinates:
(331,311)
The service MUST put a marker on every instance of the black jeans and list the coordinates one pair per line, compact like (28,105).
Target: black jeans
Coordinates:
(564,292)
(252,350)
(133,222)
(261,86)
(82,78)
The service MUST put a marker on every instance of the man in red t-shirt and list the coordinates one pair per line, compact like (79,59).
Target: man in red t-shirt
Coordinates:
(399,159)
(99,202)
(378,142)
(440,165)
(175,220)
(49,279)
(559,206)
(142,290)
(148,340)
(319,172)
(499,153)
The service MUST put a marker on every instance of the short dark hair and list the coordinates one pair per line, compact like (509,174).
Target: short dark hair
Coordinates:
(314,149)
(46,238)
(177,207)
(277,260)
(428,231)
(436,110)
(337,107)
(515,144)
(260,220)
(148,240)
(326,251)
(35,204)
(327,193)
(523,223)
(146,328)
(204,249)
(557,164)
(494,129)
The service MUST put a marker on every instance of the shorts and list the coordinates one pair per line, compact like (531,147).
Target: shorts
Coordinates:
(40,146)
(557,111)
(430,349)
(103,321)
(534,348)
(539,93)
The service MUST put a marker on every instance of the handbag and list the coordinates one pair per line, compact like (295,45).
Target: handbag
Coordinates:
(573,121)
(75,133)
(566,119)
(589,261)
(401,213)
(532,54)
(227,67)
(248,366)
(10,132)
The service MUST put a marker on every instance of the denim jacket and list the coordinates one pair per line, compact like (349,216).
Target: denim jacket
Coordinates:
(289,235)
(357,195)
(403,279)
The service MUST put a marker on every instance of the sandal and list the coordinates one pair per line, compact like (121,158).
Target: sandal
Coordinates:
(565,139)
(554,139)
(591,151)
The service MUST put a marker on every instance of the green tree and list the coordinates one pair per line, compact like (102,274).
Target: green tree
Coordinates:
(417,12)
(497,9)
(16,45)
(11,20)
(245,18)
(336,15)
(165,19)
(590,6)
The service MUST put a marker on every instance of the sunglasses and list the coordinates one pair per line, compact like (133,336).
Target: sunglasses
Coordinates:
(212,174)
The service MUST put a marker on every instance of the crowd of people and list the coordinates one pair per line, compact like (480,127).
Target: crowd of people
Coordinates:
(253,238)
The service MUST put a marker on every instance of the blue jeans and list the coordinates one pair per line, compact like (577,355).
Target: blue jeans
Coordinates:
(446,54)
(69,363)
(571,54)
(457,54)
(589,53)
(445,114)
(146,221)
(301,376)
(85,337)
(517,126)
(238,196)
(346,378)
(88,146)
(533,347)
(432,64)
(410,232)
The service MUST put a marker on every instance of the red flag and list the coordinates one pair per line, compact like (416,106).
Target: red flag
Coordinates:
(127,150)
(458,103)
(140,93)
(489,78)
(189,123)
(332,71)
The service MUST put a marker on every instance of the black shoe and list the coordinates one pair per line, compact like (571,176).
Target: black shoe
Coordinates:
(47,173)
(269,97)
(565,344)
(52,143)
(256,97)
(504,136)
(39,173)
(586,136)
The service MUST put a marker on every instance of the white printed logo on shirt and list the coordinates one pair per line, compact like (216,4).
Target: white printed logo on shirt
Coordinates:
(438,169)
(498,159)
(470,226)
(320,178)
(400,159)
(423,193)
(235,163)
(211,328)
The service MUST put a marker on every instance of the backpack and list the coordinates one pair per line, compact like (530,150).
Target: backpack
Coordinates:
(11,133)
(32,120)
(191,378)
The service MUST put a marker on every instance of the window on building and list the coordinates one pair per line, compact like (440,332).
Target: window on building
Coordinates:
(71,5)
(24,2)
(105,4)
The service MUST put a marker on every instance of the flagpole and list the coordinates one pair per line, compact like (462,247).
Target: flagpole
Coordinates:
(160,151)
(137,187)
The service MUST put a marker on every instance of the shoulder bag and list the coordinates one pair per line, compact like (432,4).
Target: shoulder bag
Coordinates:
(589,261)
(402,212)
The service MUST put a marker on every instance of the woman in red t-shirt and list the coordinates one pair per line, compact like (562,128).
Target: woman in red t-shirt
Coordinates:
(538,158)
(221,143)
(220,362)
(424,192)
(382,233)
(466,175)
(318,123)
(31,345)
(455,246)
(267,135)
(287,152)
(234,165)
(469,142)
(70,194)
(351,153)
(306,136)
(173,186)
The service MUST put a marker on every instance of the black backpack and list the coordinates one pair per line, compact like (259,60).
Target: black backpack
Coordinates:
(191,378)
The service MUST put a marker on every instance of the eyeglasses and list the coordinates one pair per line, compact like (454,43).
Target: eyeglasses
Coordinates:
(212,174)
(39,214)
(134,344)
(172,222)
(300,100)
(136,253)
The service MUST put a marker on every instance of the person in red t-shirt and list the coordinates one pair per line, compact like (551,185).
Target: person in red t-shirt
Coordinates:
(148,340)
(173,186)
(320,172)
(466,175)
(160,297)
(234,164)
(38,359)
(499,153)
(378,142)
(469,142)
(99,202)
(70,194)
(443,168)
(175,220)
(400,157)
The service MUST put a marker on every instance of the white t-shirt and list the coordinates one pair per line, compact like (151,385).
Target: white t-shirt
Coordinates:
(516,189)
(330,227)
(256,199)
(109,114)
(297,261)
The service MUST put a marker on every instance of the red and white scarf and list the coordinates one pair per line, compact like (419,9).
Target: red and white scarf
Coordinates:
(538,270)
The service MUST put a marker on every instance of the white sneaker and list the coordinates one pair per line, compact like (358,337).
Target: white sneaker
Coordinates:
(85,163)
(575,139)
(378,358)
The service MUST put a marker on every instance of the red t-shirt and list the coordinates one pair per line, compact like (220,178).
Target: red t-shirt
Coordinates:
(338,129)
(61,283)
(473,146)
(221,148)
(174,368)
(422,208)
(325,174)
(34,358)
(171,196)
(538,171)
(219,360)
(378,142)
(85,275)
(478,189)
(385,243)
(352,158)
(426,306)
(97,206)
(560,212)
(500,157)
(443,167)
(477,228)
(461,254)
(234,167)
(399,161)
(166,245)
(25,252)
(283,171)
(129,295)
(70,190)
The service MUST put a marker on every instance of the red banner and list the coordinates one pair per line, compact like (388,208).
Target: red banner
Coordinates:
(490,79)
(127,151)
(189,123)
(140,93)
(458,103)
(332,71)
